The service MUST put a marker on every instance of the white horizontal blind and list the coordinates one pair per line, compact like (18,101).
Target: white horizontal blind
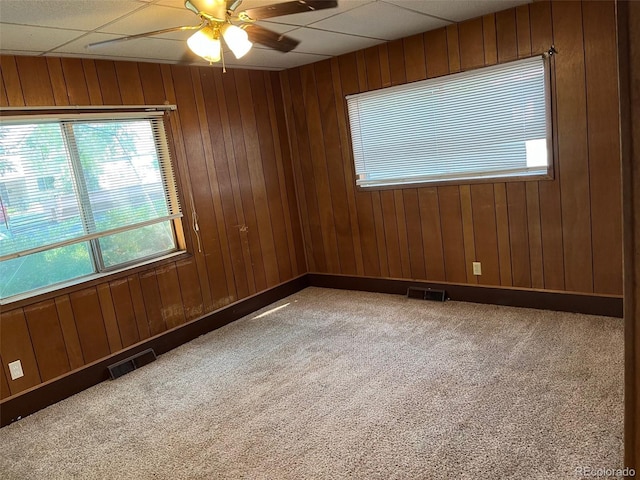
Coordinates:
(490,122)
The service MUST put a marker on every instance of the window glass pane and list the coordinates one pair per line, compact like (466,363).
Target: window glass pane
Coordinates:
(42,269)
(122,172)
(38,204)
(140,243)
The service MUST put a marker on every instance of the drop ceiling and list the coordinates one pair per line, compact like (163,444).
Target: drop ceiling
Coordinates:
(64,28)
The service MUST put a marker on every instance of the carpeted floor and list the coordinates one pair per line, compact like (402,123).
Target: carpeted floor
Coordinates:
(338,384)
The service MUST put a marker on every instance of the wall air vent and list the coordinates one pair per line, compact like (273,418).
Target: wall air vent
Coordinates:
(129,364)
(427,294)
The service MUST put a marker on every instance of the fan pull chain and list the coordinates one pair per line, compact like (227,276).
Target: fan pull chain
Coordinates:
(194,219)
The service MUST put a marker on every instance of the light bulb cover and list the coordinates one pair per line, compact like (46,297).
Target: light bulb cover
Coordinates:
(206,44)
(237,39)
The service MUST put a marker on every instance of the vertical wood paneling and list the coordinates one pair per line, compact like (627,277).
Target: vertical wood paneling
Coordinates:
(265,243)
(109,317)
(573,155)
(57,79)
(506,36)
(285,171)
(152,302)
(34,79)
(228,191)
(347,170)
(208,150)
(11,81)
(15,344)
(90,325)
(202,194)
(415,64)
(485,233)
(75,79)
(305,178)
(414,233)
(435,49)
(431,234)
(468,232)
(47,340)
(319,166)
(452,234)
(271,174)
(93,84)
(191,298)
(137,299)
(335,171)
(471,44)
(4,101)
(69,332)
(4,384)
(125,315)
(108,82)
(604,149)
(169,287)
(489,39)
(502,229)
(129,83)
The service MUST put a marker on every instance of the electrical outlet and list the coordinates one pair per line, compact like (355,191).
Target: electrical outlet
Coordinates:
(15,369)
(477,268)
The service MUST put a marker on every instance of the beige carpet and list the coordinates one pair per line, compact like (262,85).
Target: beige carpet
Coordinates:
(339,384)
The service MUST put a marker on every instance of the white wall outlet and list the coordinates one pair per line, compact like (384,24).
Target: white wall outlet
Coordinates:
(15,368)
(477,268)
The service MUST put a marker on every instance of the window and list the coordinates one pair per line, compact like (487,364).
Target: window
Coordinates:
(82,195)
(487,123)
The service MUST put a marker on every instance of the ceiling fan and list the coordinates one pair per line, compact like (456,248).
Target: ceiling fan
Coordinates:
(220,18)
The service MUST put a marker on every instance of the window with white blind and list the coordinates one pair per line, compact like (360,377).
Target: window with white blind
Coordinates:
(492,122)
(82,195)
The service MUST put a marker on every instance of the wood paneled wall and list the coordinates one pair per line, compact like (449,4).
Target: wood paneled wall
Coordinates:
(229,143)
(562,235)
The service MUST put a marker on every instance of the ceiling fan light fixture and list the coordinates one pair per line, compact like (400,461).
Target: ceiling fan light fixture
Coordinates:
(206,44)
(237,39)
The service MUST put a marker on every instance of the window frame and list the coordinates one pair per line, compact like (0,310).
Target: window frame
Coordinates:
(550,107)
(170,185)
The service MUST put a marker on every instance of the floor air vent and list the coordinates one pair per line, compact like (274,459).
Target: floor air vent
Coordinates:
(427,294)
(131,363)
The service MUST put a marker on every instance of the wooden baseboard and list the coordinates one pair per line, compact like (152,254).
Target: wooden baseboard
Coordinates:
(25,403)
(608,305)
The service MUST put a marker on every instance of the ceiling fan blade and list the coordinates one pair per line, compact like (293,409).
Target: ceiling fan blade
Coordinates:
(269,38)
(212,9)
(146,34)
(232,5)
(287,8)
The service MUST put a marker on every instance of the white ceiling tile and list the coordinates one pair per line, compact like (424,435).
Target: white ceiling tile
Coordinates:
(457,10)
(154,17)
(72,14)
(380,20)
(329,43)
(271,59)
(277,27)
(40,39)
